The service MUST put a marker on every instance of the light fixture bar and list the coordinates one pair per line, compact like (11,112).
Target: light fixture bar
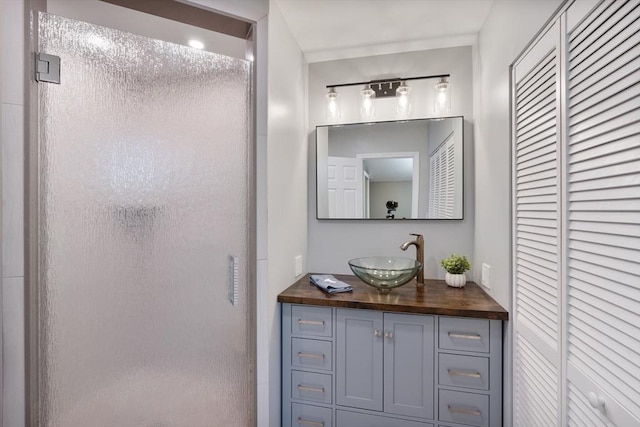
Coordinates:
(389,80)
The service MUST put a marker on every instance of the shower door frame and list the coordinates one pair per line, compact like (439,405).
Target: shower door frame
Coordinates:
(221,23)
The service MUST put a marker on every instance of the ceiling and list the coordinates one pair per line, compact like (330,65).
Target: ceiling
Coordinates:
(389,169)
(324,29)
(337,29)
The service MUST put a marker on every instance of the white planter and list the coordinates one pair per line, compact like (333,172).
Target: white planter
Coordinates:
(455,280)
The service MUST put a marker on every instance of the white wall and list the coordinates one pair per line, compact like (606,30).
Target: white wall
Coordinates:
(333,242)
(286,182)
(507,30)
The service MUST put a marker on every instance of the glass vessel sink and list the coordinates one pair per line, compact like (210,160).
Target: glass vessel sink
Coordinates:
(385,273)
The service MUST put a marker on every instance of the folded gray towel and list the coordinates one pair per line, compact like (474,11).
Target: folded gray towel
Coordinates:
(330,284)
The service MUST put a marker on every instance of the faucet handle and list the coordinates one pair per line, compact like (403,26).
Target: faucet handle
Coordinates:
(414,234)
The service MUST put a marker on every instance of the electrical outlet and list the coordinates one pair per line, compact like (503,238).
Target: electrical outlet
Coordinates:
(486,275)
(298,261)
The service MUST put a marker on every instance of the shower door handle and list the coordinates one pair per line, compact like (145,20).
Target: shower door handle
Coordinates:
(233,279)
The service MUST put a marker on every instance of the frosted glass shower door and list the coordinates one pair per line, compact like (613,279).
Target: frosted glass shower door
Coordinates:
(143,203)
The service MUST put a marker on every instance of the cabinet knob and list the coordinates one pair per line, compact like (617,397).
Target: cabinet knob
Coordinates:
(377,333)
(595,400)
(388,335)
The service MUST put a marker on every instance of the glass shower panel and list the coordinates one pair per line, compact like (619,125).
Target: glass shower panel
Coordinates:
(143,194)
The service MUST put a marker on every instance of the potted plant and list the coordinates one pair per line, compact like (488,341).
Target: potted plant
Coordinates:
(456,265)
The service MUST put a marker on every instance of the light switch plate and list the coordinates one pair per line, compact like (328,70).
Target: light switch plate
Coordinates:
(486,275)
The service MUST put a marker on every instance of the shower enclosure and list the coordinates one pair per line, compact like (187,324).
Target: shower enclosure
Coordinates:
(141,309)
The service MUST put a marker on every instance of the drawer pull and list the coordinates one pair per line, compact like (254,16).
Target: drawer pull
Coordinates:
(311,355)
(310,423)
(464,336)
(454,410)
(312,389)
(377,333)
(463,374)
(388,335)
(311,322)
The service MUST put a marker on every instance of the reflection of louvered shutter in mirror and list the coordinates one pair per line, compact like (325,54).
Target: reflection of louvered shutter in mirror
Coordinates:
(576,225)
(445,166)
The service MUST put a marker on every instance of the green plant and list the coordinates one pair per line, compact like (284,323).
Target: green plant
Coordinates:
(456,264)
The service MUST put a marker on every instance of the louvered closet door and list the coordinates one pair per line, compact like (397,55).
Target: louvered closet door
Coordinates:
(537,236)
(603,223)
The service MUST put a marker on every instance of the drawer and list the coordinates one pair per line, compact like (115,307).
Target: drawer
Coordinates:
(463,408)
(309,353)
(312,321)
(463,371)
(457,333)
(311,386)
(310,416)
(354,419)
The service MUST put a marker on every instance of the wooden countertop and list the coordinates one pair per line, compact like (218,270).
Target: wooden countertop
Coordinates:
(435,298)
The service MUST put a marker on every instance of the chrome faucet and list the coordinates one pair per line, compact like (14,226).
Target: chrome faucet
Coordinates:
(419,244)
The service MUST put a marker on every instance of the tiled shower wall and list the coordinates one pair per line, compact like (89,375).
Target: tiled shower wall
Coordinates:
(12,137)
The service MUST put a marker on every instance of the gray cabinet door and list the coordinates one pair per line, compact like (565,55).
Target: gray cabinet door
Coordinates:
(359,359)
(409,364)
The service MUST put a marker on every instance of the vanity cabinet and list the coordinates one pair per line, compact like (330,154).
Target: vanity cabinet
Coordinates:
(346,363)
(385,362)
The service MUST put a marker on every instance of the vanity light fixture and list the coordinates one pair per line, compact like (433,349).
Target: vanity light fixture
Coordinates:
(366,108)
(442,98)
(333,105)
(404,104)
(394,87)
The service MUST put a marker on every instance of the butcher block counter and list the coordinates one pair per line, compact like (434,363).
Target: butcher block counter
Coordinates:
(435,298)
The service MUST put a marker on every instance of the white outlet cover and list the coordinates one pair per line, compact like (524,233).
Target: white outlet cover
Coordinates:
(298,262)
(486,275)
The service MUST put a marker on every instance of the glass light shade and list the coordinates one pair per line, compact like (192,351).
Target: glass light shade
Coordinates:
(442,98)
(333,105)
(403,109)
(366,107)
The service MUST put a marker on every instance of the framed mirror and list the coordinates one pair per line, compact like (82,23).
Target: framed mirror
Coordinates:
(410,169)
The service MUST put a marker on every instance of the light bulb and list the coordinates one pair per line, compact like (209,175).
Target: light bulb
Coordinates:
(196,44)
(366,108)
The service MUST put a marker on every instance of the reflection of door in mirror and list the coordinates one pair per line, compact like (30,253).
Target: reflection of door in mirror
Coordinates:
(344,184)
(366,194)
